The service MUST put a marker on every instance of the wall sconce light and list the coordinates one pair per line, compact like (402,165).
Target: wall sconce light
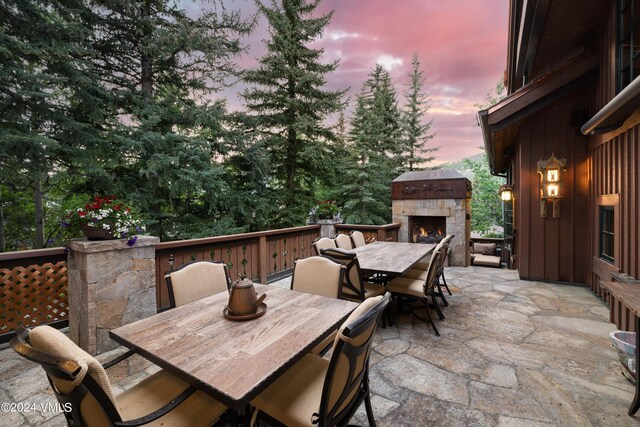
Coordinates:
(506,192)
(550,171)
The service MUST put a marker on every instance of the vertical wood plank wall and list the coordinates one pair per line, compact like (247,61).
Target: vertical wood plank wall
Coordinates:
(615,168)
(553,249)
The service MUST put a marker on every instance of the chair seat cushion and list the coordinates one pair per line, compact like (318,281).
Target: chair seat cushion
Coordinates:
(415,273)
(486,260)
(157,390)
(484,249)
(295,396)
(420,265)
(406,286)
(373,290)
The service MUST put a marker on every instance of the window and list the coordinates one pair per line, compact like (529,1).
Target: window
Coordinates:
(607,234)
(628,42)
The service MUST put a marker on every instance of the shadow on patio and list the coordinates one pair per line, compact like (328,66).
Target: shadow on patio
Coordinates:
(512,353)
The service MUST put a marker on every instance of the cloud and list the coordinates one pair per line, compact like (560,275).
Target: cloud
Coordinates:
(389,62)
(461,45)
(336,35)
(452,90)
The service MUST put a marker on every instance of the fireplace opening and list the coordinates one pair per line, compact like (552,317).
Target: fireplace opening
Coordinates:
(427,229)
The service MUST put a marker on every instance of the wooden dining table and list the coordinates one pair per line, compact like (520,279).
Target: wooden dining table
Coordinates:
(393,258)
(234,361)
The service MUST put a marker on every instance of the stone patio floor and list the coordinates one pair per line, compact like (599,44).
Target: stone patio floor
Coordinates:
(511,353)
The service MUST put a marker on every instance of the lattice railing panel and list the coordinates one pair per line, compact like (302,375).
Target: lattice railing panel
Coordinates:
(33,295)
(392,235)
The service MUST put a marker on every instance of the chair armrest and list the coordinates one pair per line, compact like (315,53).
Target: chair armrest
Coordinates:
(118,359)
(159,412)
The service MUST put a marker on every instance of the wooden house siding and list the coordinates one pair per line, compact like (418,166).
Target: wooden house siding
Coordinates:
(553,249)
(614,162)
(615,166)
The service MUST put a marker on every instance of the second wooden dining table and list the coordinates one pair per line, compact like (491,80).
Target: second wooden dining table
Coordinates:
(393,258)
(234,361)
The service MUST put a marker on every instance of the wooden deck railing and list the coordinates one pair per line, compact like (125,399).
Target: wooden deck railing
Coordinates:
(33,289)
(33,284)
(263,256)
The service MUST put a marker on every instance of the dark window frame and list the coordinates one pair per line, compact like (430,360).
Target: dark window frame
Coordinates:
(606,232)
(626,68)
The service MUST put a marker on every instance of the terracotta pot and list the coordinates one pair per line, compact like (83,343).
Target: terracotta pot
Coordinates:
(96,233)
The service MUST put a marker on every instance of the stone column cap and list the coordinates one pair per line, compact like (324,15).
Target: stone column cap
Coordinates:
(92,246)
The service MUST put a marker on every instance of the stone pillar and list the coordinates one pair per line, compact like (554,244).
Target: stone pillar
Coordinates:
(110,284)
(328,227)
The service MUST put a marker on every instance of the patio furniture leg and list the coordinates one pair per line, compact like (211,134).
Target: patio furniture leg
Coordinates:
(433,324)
(635,405)
(369,408)
(429,318)
(445,283)
(435,303)
(441,294)
(386,317)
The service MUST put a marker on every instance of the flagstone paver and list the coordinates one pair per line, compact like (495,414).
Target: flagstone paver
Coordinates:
(511,353)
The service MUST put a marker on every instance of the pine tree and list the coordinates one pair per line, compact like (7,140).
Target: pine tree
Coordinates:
(163,68)
(287,98)
(50,103)
(375,148)
(416,129)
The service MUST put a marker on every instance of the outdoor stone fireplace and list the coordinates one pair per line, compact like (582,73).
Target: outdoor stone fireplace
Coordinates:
(428,205)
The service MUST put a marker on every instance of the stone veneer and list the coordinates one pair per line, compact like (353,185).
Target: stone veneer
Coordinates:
(328,227)
(110,284)
(457,213)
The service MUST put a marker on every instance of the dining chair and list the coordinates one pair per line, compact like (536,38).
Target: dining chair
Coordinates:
(417,273)
(81,384)
(447,239)
(419,270)
(323,243)
(343,242)
(322,276)
(420,289)
(318,275)
(196,280)
(423,265)
(354,288)
(320,392)
(357,238)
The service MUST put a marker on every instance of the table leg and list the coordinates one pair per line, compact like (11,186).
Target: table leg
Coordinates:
(635,405)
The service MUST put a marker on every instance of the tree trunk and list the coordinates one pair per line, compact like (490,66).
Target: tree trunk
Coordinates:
(39,211)
(146,61)
(3,246)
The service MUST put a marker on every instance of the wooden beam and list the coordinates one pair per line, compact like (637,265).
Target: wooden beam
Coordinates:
(537,26)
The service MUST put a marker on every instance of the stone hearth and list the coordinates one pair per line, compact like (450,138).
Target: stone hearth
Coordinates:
(440,193)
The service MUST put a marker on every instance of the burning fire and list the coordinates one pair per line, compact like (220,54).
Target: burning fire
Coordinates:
(424,233)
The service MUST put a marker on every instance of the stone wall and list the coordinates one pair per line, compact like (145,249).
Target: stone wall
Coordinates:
(110,284)
(458,220)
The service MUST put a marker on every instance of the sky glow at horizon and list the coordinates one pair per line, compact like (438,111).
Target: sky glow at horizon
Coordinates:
(461,45)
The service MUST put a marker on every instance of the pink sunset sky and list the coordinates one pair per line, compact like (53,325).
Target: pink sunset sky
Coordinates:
(461,45)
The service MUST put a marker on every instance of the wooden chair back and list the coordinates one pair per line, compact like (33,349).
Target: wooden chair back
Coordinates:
(196,280)
(318,275)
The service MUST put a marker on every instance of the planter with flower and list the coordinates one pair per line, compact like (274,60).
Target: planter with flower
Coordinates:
(106,218)
(326,211)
